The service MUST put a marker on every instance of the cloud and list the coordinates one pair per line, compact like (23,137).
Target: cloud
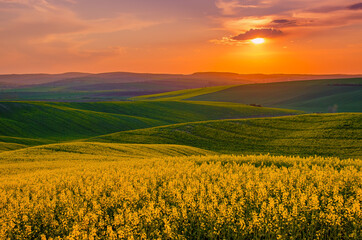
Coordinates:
(280,21)
(284,22)
(42,33)
(286,14)
(258,33)
(326,9)
(243,38)
(357,6)
(40,21)
(237,25)
(227,7)
(231,7)
(335,8)
(294,19)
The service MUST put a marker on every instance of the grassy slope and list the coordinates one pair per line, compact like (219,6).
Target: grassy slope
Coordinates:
(180,95)
(99,151)
(336,135)
(313,96)
(45,120)
(180,111)
(69,121)
(13,143)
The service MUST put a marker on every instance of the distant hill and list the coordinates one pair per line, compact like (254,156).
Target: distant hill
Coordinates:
(332,95)
(267,78)
(29,79)
(126,77)
(122,85)
(338,135)
(34,123)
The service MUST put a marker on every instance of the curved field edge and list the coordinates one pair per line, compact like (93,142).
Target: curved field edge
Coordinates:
(338,135)
(180,111)
(98,151)
(179,95)
(24,124)
(69,121)
(203,197)
(335,95)
(13,143)
(51,121)
(331,95)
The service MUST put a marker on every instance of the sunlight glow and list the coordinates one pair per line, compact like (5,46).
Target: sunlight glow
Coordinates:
(258,40)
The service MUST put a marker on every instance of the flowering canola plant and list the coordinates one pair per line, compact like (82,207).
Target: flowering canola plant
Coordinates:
(195,197)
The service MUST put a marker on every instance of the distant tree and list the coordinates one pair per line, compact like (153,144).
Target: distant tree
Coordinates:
(255,105)
(333,109)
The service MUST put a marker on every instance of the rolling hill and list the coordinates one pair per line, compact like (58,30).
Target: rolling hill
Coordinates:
(127,77)
(81,151)
(179,95)
(115,86)
(336,95)
(338,135)
(29,79)
(12,143)
(84,87)
(33,123)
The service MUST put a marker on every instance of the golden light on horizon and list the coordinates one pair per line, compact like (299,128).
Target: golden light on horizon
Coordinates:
(76,36)
(258,41)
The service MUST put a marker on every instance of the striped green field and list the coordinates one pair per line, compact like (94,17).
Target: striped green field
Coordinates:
(338,135)
(179,95)
(214,179)
(33,123)
(336,95)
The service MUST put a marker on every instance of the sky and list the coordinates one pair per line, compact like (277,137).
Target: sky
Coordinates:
(174,36)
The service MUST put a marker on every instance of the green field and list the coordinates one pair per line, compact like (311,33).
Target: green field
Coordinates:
(13,143)
(179,95)
(337,135)
(35,123)
(338,95)
(178,169)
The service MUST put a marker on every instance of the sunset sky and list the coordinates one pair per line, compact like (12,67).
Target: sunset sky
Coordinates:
(181,36)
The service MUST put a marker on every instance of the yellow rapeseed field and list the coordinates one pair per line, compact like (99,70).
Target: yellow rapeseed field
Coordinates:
(192,197)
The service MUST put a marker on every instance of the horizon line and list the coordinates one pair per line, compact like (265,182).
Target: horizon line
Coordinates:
(186,74)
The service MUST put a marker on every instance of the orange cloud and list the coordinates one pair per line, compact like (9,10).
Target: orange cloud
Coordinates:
(258,33)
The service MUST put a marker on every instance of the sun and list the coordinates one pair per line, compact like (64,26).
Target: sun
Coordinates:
(258,40)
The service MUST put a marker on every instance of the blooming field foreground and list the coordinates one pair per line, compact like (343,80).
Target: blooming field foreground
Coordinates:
(208,197)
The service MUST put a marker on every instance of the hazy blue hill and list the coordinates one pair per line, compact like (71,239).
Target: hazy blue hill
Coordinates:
(268,78)
(122,77)
(29,79)
(338,135)
(115,86)
(109,86)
